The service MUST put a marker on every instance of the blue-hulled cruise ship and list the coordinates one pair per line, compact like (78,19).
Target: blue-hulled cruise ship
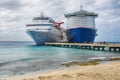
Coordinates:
(45,29)
(81,26)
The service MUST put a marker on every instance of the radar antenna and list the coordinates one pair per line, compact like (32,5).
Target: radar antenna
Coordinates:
(81,7)
(42,14)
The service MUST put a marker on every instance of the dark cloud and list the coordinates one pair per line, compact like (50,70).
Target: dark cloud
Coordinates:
(11,4)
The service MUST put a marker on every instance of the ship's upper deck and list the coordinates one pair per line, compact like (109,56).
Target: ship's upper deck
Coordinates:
(43,19)
(81,18)
(42,23)
(48,24)
(81,12)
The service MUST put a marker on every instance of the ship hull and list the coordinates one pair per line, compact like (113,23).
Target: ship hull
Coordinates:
(81,35)
(42,37)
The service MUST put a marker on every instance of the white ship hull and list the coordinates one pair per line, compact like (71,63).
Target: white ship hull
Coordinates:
(42,37)
(44,29)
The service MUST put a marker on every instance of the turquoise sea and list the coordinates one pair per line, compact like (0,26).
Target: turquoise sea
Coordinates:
(18,58)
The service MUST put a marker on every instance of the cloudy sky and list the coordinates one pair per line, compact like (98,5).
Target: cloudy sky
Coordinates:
(15,14)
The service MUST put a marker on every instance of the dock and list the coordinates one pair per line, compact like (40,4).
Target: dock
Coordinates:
(93,46)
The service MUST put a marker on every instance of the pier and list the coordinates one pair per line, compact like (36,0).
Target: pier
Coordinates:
(95,46)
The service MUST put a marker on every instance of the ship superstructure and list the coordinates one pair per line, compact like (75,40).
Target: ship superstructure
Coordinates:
(44,29)
(81,26)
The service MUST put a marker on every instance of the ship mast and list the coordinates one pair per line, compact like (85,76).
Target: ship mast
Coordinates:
(42,14)
(81,7)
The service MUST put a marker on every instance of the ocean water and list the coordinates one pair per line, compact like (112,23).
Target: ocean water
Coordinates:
(18,58)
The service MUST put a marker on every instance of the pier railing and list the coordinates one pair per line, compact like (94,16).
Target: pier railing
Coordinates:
(95,46)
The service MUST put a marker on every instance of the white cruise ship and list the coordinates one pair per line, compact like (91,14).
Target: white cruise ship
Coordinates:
(45,29)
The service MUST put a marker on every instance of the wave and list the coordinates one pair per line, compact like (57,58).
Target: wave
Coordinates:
(19,60)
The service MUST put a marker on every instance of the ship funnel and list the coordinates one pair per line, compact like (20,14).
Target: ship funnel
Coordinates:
(58,24)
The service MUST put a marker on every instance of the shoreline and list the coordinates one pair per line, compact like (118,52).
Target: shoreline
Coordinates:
(107,71)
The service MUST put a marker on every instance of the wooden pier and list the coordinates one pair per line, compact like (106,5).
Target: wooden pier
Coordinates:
(95,46)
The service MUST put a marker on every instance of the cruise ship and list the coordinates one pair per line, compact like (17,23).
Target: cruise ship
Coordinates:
(81,26)
(45,29)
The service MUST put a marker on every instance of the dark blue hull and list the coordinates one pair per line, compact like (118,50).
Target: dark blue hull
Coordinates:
(81,35)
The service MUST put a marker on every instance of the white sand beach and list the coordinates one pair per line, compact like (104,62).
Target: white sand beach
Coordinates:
(108,71)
